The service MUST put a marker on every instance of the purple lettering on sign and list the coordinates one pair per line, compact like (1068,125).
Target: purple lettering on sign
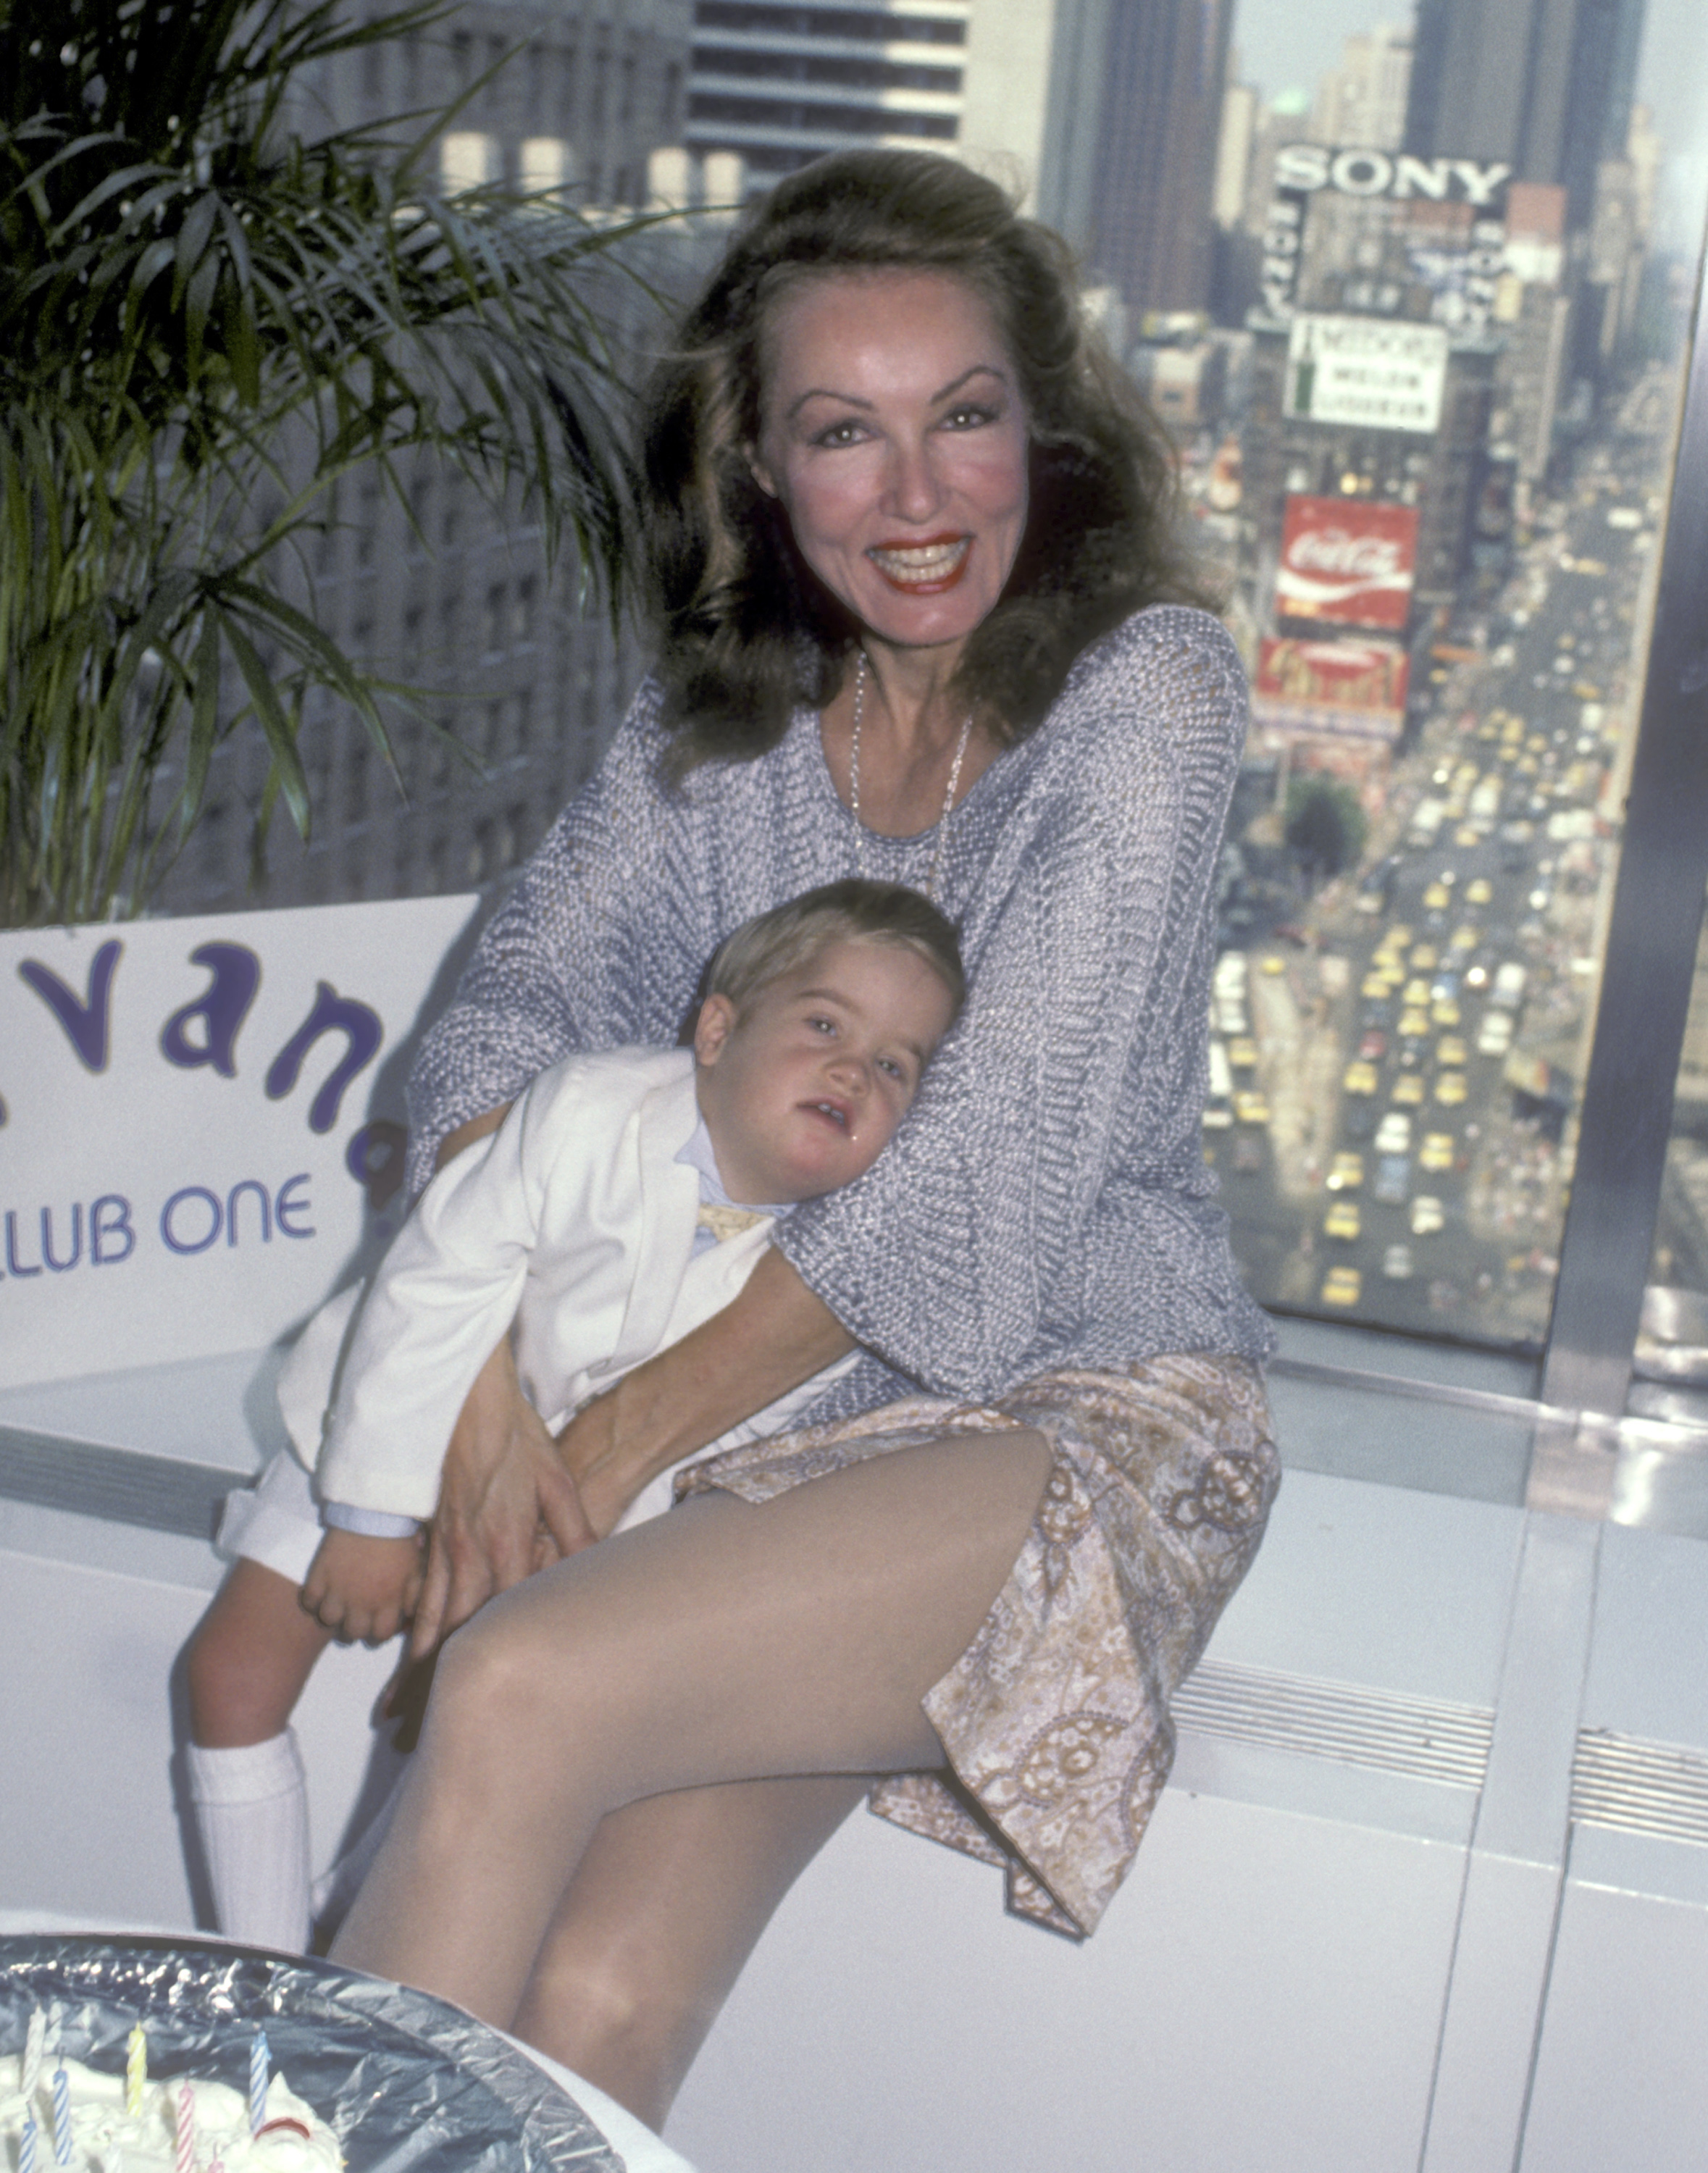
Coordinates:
(105,1227)
(248,1184)
(168,1223)
(284,1207)
(13,1264)
(86,1019)
(57,1265)
(359,1023)
(222,1008)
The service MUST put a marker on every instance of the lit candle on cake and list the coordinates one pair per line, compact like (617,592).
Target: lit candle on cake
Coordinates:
(61,2116)
(136,2072)
(26,2146)
(257,2083)
(186,2131)
(32,2056)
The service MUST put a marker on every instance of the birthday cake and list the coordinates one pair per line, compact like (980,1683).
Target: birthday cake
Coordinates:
(78,2118)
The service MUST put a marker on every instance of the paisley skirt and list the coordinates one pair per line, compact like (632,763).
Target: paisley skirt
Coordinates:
(1055,1718)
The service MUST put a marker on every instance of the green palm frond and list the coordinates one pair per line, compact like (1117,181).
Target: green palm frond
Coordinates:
(204,307)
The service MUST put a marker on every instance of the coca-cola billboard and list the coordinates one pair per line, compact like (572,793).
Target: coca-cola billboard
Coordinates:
(1348,560)
(1332,686)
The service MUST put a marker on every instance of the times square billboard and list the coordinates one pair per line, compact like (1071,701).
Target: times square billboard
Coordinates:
(1448,215)
(1365,373)
(1347,562)
(1347,686)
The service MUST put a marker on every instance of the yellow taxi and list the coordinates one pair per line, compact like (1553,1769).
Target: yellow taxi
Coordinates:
(1450,1049)
(1342,1220)
(1347,1174)
(1374,986)
(1251,1108)
(1427,1216)
(1413,1024)
(1423,957)
(1416,992)
(1466,835)
(1445,1012)
(1408,1089)
(1450,1088)
(1360,1078)
(1437,1153)
(1242,1052)
(1398,938)
(1437,897)
(1479,891)
(1465,938)
(1342,1286)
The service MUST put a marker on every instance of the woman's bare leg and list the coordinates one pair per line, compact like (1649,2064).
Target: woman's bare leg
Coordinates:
(724,1642)
(664,1910)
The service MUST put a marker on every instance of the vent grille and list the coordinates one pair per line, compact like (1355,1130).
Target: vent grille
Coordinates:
(1635,1786)
(156,1493)
(1428,1739)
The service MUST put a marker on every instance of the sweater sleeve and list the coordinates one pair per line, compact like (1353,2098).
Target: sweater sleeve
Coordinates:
(967,1251)
(586,953)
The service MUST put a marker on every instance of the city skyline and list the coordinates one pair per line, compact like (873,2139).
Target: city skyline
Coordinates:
(1281,47)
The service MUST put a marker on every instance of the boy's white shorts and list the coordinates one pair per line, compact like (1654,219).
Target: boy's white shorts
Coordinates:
(275,1522)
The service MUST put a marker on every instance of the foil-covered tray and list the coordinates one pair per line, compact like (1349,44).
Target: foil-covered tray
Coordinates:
(408,2083)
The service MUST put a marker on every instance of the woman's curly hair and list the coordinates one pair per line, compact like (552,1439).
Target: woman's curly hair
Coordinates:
(748,630)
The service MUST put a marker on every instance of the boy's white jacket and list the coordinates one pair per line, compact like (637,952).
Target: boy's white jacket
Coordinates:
(575,1220)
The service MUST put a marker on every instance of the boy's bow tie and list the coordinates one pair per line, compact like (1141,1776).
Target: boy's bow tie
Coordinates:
(728,1221)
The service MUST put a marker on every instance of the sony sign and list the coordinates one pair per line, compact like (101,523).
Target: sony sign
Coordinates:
(1313,166)
(1302,170)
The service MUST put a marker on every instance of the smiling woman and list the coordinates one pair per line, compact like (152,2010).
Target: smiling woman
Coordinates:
(921,617)
(895,439)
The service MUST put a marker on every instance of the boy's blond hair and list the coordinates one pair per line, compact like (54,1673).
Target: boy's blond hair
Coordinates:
(855,910)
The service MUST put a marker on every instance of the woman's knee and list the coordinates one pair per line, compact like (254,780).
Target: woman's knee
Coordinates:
(497,1678)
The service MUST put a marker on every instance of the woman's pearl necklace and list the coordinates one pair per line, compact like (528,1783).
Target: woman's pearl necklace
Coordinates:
(853,782)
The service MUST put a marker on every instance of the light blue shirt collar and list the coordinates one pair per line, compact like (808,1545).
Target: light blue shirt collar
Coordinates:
(699,1156)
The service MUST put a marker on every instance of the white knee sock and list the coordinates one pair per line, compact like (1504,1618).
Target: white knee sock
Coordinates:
(252,1807)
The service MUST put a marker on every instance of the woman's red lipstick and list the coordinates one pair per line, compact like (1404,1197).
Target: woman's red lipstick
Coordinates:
(933,585)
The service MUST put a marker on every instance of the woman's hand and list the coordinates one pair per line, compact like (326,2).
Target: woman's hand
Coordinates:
(507,1506)
(774,1334)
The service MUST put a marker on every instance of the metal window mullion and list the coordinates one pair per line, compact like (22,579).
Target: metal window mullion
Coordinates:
(1646,975)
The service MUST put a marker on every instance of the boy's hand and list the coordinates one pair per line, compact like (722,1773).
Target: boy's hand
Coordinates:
(364,1590)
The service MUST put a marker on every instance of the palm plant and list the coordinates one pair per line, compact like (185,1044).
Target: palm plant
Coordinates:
(207,317)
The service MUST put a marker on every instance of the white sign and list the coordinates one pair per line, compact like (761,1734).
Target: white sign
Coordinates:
(1365,373)
(1364,173)
(193,1115)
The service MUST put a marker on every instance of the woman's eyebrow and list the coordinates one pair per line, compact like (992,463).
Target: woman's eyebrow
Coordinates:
(824,392)
(978,368)
(853,400)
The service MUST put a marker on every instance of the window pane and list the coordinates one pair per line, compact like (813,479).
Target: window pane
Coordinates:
(1672,1353)
(1435,467)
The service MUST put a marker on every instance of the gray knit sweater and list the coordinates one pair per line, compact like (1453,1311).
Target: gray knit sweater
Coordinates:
(1046,1203)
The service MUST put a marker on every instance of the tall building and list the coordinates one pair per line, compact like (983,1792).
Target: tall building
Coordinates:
(1012,86)
(446,592)
(782,85)
(1545,85)
(1156,164)
(1363,100)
